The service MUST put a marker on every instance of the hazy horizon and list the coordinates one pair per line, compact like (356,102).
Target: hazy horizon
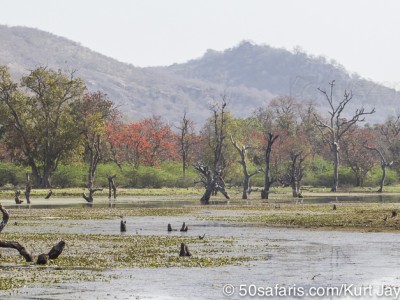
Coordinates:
(359,35)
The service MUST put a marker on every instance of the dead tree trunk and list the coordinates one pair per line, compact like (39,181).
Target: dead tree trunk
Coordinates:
(212,183)
(246,180)
(17,246)
(90,197)
(295,173)
(112,189)
(17,199)
(42,258)
(28,188)
(49,194)
(54,253)
(94,149)
(335,151)
(333,129)
(122,226)
(384,165)
(5,218)
(184,250)
(271,138)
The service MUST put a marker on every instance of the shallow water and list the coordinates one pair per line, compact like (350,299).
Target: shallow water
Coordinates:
(295,258)
(165,201)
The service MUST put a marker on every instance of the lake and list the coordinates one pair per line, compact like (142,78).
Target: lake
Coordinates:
(296,262)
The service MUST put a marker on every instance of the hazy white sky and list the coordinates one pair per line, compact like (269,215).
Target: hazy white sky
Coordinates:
(361,35)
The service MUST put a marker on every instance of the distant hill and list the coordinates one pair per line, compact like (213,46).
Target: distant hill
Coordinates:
(249,74)
(282,72)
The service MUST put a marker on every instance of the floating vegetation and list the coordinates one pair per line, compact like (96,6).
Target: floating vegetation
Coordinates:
(355,217)
(87,213)
(86,255)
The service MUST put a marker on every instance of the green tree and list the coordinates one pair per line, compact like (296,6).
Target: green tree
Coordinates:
(36,116)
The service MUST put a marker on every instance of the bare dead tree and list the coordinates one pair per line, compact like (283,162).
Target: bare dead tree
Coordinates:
(246,180)
(185,140)
(384,165)
(333,130)
(294,173)
(271,138)
(94,150)
(213,179)
(218,141)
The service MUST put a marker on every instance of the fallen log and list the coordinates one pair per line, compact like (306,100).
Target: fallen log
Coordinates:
(54,252)
(17,246)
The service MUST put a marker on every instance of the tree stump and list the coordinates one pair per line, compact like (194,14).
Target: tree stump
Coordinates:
(184,228)
(42,259)
(123,226)
(17,199)
(184,250)
(56,250)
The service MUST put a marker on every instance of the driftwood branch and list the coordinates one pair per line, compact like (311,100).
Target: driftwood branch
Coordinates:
(91,192)
(42,258)
(21,249)
(49,194)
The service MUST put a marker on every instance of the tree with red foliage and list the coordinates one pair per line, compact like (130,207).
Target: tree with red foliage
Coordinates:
(148,142)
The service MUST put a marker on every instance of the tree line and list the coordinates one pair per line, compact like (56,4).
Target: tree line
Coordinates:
(49,118)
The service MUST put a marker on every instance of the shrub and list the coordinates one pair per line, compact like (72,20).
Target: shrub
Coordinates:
(12,174)
(69,176)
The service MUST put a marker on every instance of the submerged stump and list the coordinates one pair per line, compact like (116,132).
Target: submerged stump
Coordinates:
(184,250)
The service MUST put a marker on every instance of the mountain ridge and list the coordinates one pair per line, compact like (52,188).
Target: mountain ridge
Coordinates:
(249,74)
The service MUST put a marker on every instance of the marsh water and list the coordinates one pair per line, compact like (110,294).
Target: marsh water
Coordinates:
(293,259)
